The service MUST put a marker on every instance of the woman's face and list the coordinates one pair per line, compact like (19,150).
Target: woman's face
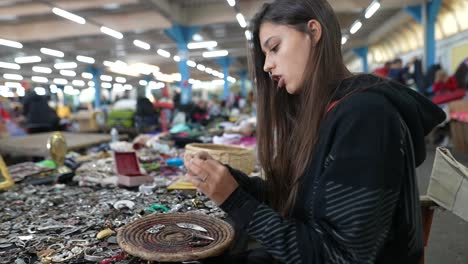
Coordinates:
(286,55)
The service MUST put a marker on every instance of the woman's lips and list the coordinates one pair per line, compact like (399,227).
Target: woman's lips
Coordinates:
(279,80)
(281,83)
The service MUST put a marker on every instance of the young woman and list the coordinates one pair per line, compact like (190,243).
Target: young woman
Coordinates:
(339,151)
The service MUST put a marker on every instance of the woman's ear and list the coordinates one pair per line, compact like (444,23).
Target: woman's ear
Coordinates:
(315,29)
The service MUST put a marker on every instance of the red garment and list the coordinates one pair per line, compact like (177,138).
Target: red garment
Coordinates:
(449,86)
(4,114)
(382,72)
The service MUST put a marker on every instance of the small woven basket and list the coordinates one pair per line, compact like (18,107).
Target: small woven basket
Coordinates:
(171,244)
(239,158)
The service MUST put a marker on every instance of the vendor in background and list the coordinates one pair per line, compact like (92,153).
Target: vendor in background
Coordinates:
(384,70)
(397,72)
(444,83)
(40,117)
(146,119)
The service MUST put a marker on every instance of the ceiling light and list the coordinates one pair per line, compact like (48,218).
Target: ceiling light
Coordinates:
(202,45)
(52,52)
(111,6)
(28,59)
(143,82)
(65,65)
(201,67)
(231,2)
(217,82)
(39,79)
(128,87)
(106,85)
(248,35)
(197,37)
(67,73)
(141,44)
(120,79)
(10,43)
(20,91)
(13,84)
(111,32)
(106,78)
(53,88)
(176,58)
(80,83)
(344,40)
(241,20)
(370,11)
(10,76)
(87,75)
(60,81)
(164,53)
(41,69)
(216,53)
(209,70)
(68,15)
(85,59)
(91,84)
(191,63)
(231,79)
(8,65)
(40,91)
(355,27)
(108,63)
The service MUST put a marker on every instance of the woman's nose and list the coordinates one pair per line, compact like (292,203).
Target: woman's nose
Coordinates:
(268,66)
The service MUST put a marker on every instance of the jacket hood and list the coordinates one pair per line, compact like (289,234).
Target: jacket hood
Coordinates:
(418,112)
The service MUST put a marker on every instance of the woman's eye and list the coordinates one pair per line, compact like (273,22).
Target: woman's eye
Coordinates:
(274,49)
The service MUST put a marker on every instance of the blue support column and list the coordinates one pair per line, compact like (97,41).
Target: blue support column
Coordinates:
(96,72)
(426,15)
(225,62)
(415,12)
(362,53)
(182,36)
(243,75)
(432,10)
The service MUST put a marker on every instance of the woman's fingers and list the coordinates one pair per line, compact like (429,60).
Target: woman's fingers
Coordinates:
(203,155)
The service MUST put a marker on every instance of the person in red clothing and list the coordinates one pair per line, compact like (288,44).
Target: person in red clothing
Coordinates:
(444,83)
(383,71)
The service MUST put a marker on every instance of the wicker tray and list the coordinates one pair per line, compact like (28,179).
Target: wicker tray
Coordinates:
(171,243)
(237,157)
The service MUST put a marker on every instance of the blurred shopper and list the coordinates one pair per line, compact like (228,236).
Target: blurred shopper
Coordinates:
(40,117)
(384,70)
(339,151)
(461,74)
(444,83)
(146,118)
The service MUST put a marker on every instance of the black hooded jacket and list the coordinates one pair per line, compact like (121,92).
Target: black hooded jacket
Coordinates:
(358,201)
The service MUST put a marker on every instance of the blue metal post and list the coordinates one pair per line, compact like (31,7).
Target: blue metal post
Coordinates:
(362,53)
(432,10)
(225,62)
(426,15)
(182,36)
(243,76)
(415,12)
(96,72)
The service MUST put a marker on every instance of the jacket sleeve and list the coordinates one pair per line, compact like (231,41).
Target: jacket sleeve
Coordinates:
(251,185)
(354,198)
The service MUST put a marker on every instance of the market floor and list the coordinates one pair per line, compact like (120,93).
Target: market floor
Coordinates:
(448,240)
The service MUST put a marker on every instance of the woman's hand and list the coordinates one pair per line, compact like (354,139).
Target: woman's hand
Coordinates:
(210,177)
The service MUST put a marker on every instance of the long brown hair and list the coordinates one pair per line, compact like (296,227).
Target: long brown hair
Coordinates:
(288,124)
